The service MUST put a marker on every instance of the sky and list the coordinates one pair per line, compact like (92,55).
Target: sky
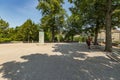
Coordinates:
(16,12)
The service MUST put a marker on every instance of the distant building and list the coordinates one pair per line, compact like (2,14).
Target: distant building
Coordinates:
(115,35)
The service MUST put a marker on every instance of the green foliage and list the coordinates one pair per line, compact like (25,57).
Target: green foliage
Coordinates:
(4,31)
(96,14)
(80,39)
(28,31)
(73,27)
(60,38)
(49,6)
(3,28)
(116,42)
(53,16)
(77,39)
(4,40)
(48,36)
(3,24)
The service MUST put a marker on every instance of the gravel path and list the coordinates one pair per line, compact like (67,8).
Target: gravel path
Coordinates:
(58,61)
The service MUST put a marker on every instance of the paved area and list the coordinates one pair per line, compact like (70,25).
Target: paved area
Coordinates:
(58,61)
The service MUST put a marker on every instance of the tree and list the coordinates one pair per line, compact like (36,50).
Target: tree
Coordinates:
(3,24)
(3,27)
(73,27)
(111,6)
(52,12)
(108,46)
(106,7)
(28,31)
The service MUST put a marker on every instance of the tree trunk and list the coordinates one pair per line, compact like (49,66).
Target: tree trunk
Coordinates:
(53,30)
(108,46)
(96,35)
(72,37)
(53,34)
(96,32)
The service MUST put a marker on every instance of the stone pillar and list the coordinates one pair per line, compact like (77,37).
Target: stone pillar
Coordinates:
(41,36)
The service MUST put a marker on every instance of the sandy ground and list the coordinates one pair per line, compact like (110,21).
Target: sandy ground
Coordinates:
(58,61)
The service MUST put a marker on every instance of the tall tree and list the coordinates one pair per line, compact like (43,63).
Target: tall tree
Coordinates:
(108,46)
(3,24)
(3,27)
(73,26)
(111,7)
(106,7)
(28,31)
(51,9)
(90,14)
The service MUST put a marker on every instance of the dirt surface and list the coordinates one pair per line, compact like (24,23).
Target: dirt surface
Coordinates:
(55,61)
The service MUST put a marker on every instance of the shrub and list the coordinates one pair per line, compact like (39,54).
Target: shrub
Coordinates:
(76,39)
(5,40)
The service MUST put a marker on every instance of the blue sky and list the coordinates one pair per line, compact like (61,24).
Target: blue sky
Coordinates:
(16,12)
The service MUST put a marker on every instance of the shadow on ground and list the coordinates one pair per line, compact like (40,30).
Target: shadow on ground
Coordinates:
(59,67)
(74,48)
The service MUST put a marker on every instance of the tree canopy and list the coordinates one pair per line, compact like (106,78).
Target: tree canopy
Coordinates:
(53,15)
(97,14)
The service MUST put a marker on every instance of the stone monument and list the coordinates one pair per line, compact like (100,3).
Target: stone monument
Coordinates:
(41,36)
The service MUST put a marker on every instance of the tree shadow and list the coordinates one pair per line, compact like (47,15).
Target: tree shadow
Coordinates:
(68,48)
(74,49)
(59,67)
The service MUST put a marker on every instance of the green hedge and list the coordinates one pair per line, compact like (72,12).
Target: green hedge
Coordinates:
(80,39)
(5,40)
(115,43)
